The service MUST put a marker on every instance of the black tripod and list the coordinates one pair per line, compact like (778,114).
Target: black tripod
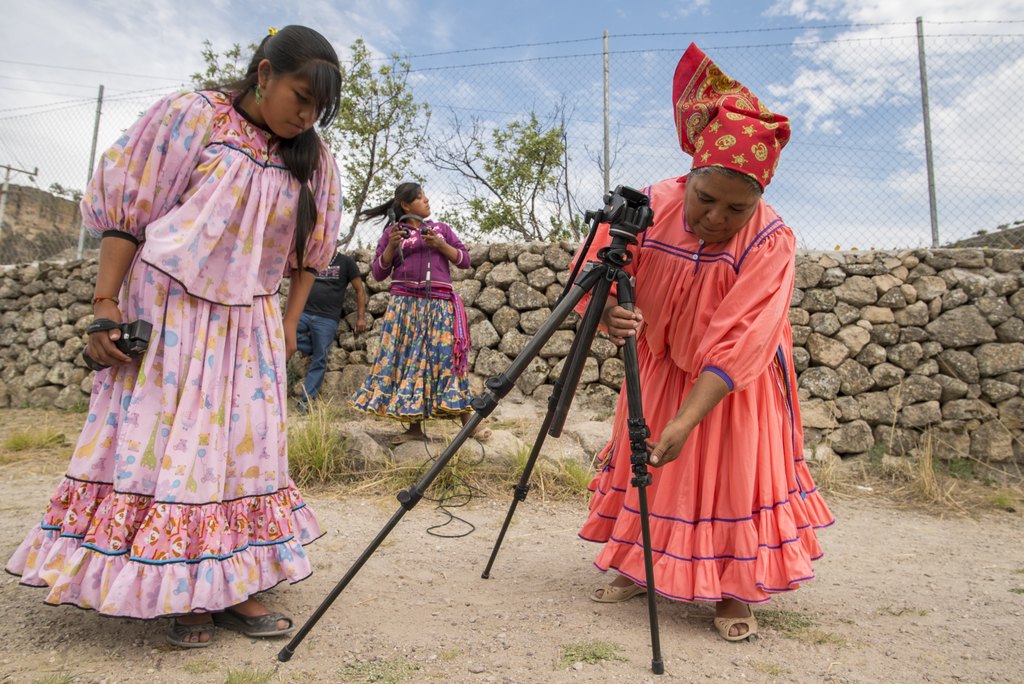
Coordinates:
(627,213)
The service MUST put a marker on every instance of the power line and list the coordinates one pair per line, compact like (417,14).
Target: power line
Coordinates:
(95,71)
(37,80)
(656,35)
(69,104)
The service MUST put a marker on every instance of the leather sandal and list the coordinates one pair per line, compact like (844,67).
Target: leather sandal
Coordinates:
(723,625)
(258,626)
(404,437)
(178,631)
(613,594)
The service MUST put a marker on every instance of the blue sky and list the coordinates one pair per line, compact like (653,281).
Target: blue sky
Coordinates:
(842,97)
(56,49)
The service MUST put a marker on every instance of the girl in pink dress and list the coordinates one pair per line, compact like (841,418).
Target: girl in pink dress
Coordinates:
(177,500)
(733,509)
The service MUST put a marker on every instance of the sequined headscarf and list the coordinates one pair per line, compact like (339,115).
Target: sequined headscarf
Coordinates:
(721,123)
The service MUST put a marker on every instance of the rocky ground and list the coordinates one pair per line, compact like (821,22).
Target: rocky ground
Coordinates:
(901,596)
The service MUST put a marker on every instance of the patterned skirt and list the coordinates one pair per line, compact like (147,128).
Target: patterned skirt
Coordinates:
(177,498)
(413,376)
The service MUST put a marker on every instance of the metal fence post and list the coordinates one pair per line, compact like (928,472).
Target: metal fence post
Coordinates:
(607,116)
(927,134)
(92,161)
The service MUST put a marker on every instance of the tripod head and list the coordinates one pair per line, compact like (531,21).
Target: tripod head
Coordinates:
(626,211)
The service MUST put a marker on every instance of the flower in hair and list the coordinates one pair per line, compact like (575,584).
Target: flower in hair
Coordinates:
(272,31)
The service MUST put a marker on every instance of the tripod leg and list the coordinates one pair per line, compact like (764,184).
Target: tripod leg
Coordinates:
(499,386)
(638,434)
(569,378)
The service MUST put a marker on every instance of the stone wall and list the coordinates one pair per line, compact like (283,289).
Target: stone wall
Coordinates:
(895,349)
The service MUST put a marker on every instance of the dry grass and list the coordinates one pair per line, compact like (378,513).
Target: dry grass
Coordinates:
(38,438)
(392,671)
(318,457)
(590,652)
(793,625)
(35,441)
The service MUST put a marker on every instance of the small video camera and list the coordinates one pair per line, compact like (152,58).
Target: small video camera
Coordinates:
(133,341)
(627,211)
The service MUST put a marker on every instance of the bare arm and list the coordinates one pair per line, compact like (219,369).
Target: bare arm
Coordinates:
(357,283)
(389,252)
(298,292)
(705,395)
(116,256)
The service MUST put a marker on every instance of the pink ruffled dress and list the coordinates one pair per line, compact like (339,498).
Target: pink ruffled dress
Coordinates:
(735,514)
(177,498)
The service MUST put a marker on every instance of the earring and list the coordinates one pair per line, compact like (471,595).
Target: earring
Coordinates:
(259,94)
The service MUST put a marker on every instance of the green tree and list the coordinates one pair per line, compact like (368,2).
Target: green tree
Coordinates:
(379,128)
(517,177)
(65,192)
(221,67)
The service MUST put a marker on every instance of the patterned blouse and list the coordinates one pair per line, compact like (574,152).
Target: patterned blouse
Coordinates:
(209,198)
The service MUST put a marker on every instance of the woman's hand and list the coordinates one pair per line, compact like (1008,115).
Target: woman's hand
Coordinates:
(291,338)
(670,443)
(395,237)
(621,323)
(434,240)
(101,347)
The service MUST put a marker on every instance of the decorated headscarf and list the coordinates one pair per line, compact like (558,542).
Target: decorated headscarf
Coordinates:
(721,123)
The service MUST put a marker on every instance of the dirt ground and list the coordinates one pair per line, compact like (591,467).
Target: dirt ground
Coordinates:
(901,596)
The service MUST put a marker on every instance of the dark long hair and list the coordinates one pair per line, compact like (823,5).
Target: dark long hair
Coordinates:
(392,210)
(299,51)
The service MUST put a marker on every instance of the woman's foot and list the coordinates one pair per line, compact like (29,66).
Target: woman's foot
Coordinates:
(619,589)
(251,618)
(413,434)
(734,620)
(481,433)
(194,630)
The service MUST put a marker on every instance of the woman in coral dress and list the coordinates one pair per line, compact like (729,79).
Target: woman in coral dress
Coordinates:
(177,500)
(733,509)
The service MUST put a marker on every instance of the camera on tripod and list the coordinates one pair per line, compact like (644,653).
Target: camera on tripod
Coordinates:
(133,341)
(626,211)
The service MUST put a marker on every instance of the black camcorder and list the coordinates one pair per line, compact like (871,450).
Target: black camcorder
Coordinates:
(626,211)
(408,233)
(133,341)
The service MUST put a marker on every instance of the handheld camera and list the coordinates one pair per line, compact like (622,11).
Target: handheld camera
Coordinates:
(133,341)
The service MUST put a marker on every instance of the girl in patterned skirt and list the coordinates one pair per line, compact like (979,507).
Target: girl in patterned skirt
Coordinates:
(422,368)
(177,501)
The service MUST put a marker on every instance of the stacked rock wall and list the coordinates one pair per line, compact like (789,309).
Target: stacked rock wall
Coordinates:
(894,350)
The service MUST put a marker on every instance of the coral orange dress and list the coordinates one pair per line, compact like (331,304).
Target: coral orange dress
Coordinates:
(734,516)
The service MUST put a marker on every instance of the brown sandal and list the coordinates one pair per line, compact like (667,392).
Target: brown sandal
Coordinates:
(178,631)
(406,437)
(258,626)
(613,594)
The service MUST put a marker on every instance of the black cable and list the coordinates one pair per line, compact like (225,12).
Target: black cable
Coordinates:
(454,497)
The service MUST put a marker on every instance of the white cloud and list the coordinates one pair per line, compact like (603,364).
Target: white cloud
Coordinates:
(878,11)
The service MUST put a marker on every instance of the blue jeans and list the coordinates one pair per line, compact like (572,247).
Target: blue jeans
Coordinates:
(315,336)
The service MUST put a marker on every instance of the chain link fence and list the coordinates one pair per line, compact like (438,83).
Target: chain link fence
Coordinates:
(855,175)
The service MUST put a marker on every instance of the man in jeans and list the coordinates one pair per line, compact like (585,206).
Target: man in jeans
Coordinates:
(318,325)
